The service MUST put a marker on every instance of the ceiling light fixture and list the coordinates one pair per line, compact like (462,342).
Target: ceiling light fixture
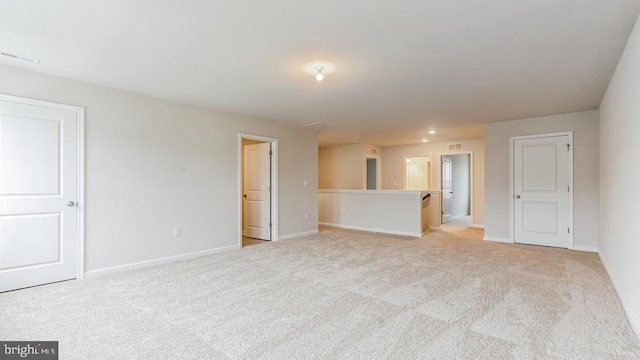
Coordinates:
(432,131)
(319,70)
(408,161)
(424,140)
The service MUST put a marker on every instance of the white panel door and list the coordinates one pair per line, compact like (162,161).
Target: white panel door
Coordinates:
(541,191)
(38,195)
(447,194)
(257,193)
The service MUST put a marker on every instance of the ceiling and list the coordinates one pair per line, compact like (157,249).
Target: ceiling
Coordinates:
(401,67)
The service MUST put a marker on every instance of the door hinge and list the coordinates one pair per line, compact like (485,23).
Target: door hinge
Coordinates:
(270,152)
(269,188)
(568,147)
(568,188)
(270,224)
(442,212)
(568,230)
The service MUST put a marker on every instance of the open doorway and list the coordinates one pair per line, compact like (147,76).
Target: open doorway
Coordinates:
(372,173)
(417,172)
(457,189)
(257,189)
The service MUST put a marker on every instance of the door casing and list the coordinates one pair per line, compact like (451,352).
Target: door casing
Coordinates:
(512,194)
(378,160)
(471,176)
(274,183)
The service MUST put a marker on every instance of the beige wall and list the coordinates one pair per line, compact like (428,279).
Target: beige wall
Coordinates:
(585,173)
(620,179)
(393,168)
(344,166)
(152,165)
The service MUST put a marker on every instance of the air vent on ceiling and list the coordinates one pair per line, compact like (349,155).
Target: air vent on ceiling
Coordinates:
(19,57)
(374,151)
(455,147)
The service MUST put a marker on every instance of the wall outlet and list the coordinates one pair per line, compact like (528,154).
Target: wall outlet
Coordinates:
(306,216)
(305,183)
(177,232)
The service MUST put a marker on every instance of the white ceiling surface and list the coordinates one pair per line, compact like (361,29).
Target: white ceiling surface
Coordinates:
(402,67)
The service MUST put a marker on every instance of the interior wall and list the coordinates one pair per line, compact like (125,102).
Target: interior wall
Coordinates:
(393,168)
(585,172)
(344,166)
(418,173)
(620,179)
(152,165)
(460,184)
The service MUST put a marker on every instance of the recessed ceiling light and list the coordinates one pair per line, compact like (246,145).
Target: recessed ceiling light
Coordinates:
(358,138)
(408,161)
(432,131)
(424,140)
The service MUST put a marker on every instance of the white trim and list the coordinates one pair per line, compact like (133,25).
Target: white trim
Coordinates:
(361,228)
(80,208)
(435,227)
(477,226)
(80,195)
(634,325)
(593,249)
(511,180)
(274,183)
(163,260)
(299,235)
(497,239)
(471,176)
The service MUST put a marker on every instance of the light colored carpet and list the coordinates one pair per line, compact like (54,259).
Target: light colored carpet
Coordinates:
(457,224)
(338,295)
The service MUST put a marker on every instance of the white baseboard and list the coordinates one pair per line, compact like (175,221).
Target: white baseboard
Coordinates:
(478,226)
(593,249)
(293,236)
(497,239)
(383,231)
(164,260)
(435,227)
(634,325)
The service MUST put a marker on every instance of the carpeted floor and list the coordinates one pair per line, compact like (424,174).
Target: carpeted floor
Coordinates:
(338,295)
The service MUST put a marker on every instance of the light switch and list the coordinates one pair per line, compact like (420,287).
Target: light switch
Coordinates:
(306,183)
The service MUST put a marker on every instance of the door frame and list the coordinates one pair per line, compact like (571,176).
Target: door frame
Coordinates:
(274,183)
(378,171)
(471,182)
(80,269)
(512,220)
